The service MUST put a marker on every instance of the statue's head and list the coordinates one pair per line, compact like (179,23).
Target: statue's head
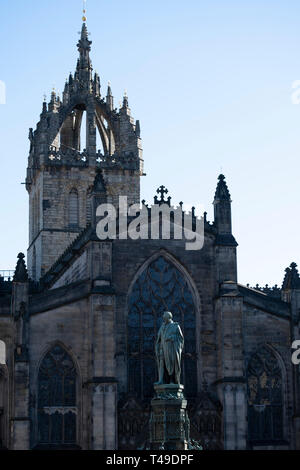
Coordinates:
(167,317)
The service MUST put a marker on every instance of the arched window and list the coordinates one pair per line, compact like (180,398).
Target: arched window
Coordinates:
(2,353)
(160,287)
(265,397)
(57,409)
(73,208)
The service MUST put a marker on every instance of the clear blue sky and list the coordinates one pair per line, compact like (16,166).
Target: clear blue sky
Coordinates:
(211,83)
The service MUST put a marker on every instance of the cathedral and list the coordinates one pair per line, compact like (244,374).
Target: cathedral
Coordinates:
(79,318)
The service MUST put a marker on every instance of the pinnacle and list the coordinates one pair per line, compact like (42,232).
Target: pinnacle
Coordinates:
(21,274)
(222,191)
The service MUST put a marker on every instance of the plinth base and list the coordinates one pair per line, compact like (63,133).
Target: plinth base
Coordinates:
(169,422)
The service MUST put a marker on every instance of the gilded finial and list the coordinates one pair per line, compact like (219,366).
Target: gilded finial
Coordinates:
(84,11)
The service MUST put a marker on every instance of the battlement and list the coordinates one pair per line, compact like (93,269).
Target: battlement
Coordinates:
(274,291)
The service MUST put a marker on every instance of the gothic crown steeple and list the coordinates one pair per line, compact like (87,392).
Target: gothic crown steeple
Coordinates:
(58,138)
(76,137)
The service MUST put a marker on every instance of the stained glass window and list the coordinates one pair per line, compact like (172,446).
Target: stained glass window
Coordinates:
(265,397)
(161,287)
(57,398)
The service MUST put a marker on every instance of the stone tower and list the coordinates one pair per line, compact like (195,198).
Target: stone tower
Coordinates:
(62,169)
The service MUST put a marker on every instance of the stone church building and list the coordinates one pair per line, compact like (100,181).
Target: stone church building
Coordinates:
(79,320)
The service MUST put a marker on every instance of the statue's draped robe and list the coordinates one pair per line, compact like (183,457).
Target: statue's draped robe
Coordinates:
(170,344)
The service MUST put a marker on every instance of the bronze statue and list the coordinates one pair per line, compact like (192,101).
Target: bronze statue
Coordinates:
(168,351)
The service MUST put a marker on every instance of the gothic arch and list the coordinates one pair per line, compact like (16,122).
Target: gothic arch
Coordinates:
(67,135)
(57,398)
(172,259)
(283,368)
(105,127)
(176,282)
(48,348)
(189,300)
(69,132)
(267,396)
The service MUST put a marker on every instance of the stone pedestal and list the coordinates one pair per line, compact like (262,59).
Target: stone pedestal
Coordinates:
(169,422)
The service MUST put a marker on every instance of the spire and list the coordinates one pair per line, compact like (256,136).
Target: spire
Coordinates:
(97,85)
(66,92)
(291,278)
(21,274)
(84,65)
(44,110)
(109,93)
(84,44)
(125,100)
(222,207)
(222,192)
(109,98)
(54,101)
(53,95)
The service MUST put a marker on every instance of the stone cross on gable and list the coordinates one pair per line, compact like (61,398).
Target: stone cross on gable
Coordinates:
(162,190)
